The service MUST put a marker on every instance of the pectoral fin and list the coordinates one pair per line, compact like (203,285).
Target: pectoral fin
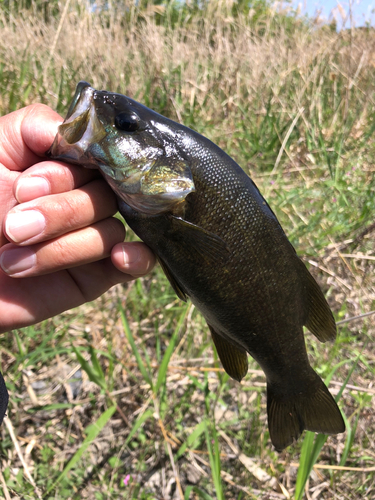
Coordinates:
(168,177)
(172,280)
(207,245)
(233,358)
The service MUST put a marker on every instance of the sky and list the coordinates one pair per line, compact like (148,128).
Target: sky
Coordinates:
(361,10)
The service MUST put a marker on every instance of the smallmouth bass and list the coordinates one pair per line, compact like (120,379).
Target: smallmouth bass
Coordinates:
(218,242)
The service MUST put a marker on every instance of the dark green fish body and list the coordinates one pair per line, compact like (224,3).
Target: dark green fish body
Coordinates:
(219,244)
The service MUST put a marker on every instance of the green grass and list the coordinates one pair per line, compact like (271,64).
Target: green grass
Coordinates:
(125,397)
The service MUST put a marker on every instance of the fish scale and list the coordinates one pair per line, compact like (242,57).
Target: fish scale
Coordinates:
(219,244)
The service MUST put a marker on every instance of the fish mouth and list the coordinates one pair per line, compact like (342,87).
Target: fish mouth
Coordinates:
(80,129)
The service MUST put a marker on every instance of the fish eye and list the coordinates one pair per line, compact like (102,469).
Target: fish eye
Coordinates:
(128,122)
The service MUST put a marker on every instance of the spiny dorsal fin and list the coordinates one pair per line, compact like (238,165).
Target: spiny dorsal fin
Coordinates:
(233,358)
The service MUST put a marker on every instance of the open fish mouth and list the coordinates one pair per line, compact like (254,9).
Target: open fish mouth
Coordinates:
(80,129)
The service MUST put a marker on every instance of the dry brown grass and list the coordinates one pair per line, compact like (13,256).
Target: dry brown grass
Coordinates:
(213,62)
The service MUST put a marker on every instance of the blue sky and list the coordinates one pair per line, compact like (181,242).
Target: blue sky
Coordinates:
(361,9)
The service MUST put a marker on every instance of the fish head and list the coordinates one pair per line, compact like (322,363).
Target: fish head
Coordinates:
(134,147)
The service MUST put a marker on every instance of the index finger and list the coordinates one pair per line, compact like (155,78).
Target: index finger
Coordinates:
(26,134)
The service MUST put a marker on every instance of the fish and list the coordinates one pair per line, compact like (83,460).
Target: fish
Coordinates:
(4,398)
(219,244)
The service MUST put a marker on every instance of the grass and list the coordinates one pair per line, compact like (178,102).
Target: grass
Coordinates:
(125,397)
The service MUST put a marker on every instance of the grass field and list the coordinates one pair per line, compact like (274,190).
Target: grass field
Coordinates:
(125,397)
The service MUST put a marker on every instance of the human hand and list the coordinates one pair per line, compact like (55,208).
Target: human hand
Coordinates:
(59,244)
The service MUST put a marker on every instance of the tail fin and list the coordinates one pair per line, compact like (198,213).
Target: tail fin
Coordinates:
(289,414)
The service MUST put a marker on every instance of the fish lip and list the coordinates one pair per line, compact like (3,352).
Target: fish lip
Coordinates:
(82,102)
(81,86)
(80,128)
(73,129)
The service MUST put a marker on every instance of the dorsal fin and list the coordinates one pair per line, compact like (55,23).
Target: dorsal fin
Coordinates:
(319,318)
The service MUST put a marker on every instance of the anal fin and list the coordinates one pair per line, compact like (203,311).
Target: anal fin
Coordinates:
(233,358)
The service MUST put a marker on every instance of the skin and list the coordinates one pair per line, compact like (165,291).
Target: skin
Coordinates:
(66,248)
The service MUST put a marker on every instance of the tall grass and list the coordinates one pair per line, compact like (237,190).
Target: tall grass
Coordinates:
(125,397)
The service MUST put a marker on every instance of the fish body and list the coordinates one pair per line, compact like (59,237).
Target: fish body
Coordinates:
(218,242)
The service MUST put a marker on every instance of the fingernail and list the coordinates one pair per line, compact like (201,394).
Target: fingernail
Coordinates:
(16,260)
(30,188)
(131,255)
(21,226)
